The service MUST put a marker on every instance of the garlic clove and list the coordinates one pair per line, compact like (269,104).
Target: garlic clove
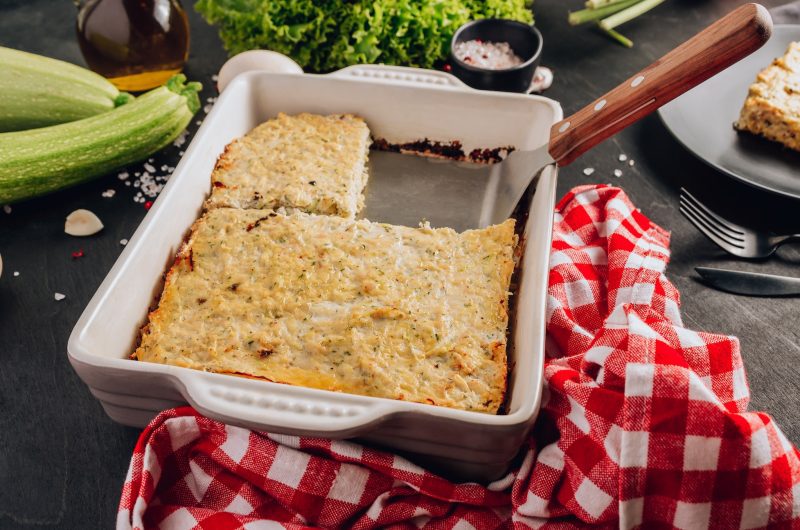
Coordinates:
(82,223)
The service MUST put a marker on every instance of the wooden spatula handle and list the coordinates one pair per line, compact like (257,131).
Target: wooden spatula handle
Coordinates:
(720,45)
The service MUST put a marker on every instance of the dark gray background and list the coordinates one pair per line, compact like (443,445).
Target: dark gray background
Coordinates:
(62,461)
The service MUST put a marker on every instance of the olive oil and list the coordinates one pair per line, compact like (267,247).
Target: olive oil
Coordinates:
(135,44)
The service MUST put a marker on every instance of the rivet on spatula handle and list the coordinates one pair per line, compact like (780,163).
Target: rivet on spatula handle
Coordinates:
(720,45)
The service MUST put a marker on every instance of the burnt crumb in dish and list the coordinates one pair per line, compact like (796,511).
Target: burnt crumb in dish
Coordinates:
(453,150)
(489,156)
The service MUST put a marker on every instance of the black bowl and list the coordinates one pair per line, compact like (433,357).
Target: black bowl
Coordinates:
(525,40)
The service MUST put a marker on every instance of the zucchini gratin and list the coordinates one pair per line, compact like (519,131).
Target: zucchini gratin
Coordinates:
(772,108)
(317,164)
(327,301)
(418,314)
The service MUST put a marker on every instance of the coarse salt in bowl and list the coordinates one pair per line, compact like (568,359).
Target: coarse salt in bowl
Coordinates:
(496,54)
(488,55)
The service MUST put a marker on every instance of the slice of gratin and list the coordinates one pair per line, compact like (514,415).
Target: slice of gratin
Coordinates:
(772,108)
(317,164)
(417,314)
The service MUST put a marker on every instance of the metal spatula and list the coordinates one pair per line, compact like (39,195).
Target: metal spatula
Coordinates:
(499,187)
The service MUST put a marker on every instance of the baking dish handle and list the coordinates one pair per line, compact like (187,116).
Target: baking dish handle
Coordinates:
(288,408)
(402,75)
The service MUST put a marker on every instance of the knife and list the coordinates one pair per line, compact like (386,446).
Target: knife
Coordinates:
(750,283)
(731,38)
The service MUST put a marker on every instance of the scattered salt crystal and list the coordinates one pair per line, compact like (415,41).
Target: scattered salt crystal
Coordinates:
(618,173)
(150,186)
(170,168)
(59,297)
(180,140)
(180,153)
(108,193)
(211,99)
(623,157)
(150,160)
(207,109)
(16,273)
(137,173)
(149,168)
(127,182)
(123,176)
(198,122)
(631,163)
(588,171)
(164,167)
(136,184)
(214,77)
(123,242)
(7,208)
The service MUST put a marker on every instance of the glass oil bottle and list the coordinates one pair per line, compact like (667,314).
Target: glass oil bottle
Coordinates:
(135,44)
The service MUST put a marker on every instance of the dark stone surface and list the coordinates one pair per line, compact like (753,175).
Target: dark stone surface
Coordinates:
(62,461)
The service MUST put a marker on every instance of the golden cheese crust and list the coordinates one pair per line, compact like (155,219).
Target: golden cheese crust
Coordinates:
(417,314)
(314,163)
(772,107)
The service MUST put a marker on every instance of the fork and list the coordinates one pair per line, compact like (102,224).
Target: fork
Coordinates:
(734,239)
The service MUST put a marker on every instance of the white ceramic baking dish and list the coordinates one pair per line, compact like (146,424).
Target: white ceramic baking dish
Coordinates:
(399,104)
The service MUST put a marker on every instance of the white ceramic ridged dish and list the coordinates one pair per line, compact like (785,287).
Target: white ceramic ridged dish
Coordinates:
(400,105)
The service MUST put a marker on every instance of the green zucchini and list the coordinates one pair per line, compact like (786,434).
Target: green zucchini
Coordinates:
(40,161)
(37,91)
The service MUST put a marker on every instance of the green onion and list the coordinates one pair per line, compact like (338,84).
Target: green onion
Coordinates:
(595,4)
(611,13)
(619,37)
(630,13)
(587,15)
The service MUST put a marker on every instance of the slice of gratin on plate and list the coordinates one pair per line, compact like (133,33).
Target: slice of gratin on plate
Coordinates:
(772,108)
(416,314)
(313,163)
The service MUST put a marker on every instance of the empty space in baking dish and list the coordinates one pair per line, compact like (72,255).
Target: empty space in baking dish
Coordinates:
(398,112)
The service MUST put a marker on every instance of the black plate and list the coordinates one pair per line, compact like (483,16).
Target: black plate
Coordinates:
(702,120)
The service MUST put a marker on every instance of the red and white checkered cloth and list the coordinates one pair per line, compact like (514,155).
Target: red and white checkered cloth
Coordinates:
(644,423)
